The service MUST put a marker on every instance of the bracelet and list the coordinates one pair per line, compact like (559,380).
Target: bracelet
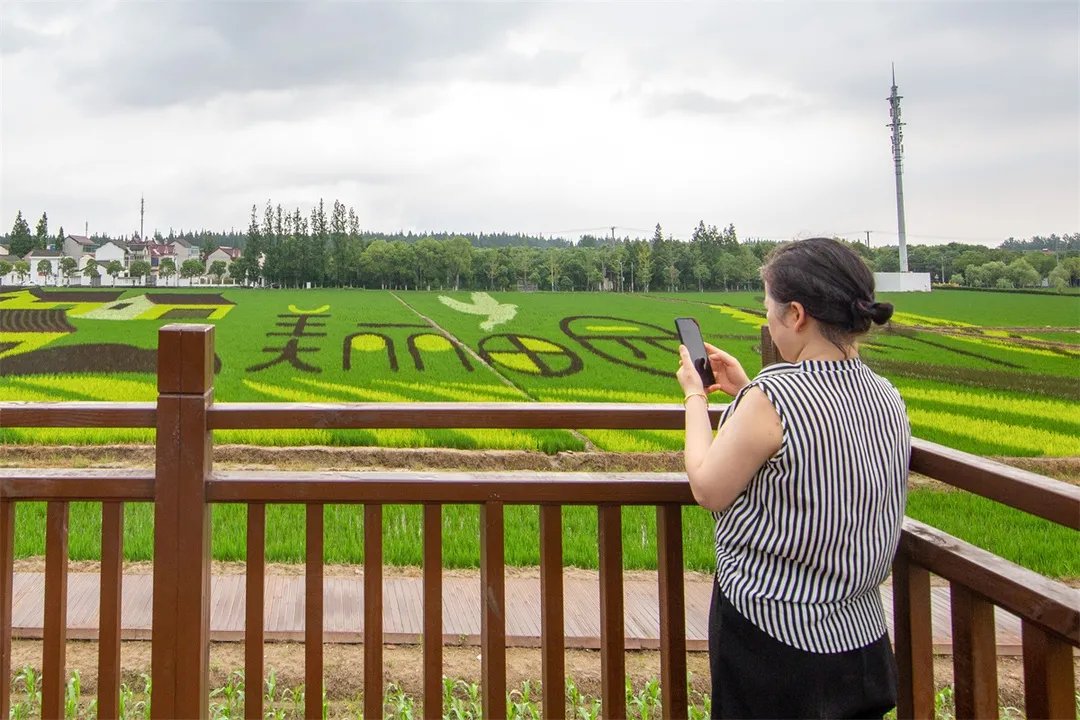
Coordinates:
(700,395)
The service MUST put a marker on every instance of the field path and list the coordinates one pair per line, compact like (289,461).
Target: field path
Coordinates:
(402,614)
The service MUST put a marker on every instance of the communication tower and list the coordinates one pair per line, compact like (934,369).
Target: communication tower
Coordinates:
(898,162)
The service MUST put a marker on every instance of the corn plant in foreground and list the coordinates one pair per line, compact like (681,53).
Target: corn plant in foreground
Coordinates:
(461,700)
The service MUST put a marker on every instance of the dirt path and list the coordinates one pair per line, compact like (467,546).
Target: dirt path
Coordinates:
(248,457)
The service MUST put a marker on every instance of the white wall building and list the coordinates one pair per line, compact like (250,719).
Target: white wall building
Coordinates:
(901,282)
(34,257)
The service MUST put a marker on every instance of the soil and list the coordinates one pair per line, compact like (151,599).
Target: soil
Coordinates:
(161,298)
(403,665)
(248,457)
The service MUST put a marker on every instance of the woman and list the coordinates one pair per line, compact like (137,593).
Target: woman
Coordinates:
(807,480)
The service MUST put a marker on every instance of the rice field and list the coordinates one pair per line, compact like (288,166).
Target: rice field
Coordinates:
(988,374)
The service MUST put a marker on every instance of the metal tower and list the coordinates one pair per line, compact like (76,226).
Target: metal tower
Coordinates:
(142,216)
(898,161)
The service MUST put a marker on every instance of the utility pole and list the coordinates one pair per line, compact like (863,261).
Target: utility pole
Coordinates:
(867,238)
(142,217)
(898,158)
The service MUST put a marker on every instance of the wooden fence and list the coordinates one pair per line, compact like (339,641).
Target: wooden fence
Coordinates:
(183,486)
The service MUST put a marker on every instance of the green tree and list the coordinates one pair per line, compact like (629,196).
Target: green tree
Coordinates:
(5,268)
(166,269)
(237,271)
(1021,273)
(139,269)
(191,268)
(218,269)
(59,243)
(44,267)
(21,240)
(22,270)
(68,266)
(553,262)
(41,236)
(642,259)
(91,270)
(458,259)
(1043,262)
(114,268)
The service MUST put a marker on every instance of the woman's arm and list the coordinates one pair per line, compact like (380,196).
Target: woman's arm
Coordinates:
(720,468)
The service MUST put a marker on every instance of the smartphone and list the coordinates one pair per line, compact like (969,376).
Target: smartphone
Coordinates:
(690,336)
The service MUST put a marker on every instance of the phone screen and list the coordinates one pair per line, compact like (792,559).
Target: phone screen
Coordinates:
(690,336)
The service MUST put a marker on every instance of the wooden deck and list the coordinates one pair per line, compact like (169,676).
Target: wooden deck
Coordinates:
(402,610)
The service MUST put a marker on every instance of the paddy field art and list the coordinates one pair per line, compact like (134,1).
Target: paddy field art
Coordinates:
(992,374)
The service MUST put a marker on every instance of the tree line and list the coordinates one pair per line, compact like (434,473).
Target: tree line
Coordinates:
(326,247)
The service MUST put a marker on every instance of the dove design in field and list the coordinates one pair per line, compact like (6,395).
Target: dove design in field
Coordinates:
(483,304)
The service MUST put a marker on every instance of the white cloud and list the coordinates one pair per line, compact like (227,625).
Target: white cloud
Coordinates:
(540,118)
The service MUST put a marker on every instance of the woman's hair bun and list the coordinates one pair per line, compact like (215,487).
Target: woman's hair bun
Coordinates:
(878,312)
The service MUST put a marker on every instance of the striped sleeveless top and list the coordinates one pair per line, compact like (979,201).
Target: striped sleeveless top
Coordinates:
(802,551)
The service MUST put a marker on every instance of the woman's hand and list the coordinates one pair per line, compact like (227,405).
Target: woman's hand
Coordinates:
(687,374)
(729,374)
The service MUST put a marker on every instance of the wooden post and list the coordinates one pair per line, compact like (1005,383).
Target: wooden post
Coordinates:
(492,610)
(974,654)
(7,573)
(769,354)
(913,639)
(54,642)
(1049,686)
(111,595)
(669,550)
(181,615)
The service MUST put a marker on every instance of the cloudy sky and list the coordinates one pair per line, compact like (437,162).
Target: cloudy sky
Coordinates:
(556,118)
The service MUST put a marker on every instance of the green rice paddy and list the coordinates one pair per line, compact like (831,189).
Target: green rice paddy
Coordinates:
(992,374)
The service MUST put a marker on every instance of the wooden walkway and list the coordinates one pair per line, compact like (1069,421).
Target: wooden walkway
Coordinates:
(402,610)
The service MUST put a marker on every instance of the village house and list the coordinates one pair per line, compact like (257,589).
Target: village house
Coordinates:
(110,251)
(183,250)
(138,249)
(34,258)
(78,245)
(225,254)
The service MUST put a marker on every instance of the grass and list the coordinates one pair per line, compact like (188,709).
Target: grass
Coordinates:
(1045,547)
(461,700)
(1036,544)
(402,538)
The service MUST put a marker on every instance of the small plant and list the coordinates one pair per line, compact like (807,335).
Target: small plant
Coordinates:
(72,694)
(520,704)
(399,704)
(232,694)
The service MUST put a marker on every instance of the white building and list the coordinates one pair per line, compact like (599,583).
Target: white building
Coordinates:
(78,245)
(901,282)
(110,251)
(183,250)
(35,258)
(225,254)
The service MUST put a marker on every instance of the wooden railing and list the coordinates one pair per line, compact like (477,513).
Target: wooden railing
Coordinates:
(183,486)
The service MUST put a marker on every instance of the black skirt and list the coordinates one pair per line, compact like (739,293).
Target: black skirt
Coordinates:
(757,676)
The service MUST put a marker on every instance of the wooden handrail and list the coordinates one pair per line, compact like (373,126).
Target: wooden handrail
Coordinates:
(82,484)
(345,416)
(1050,604)
(528,488)
(18,414)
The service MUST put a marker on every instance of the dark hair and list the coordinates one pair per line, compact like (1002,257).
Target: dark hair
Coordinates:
(831,282)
